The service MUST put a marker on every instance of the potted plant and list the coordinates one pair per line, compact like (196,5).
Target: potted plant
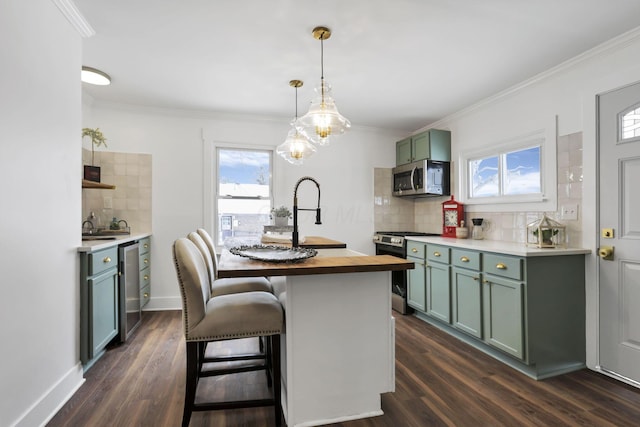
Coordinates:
(92,173)
(547,235)
(281,215)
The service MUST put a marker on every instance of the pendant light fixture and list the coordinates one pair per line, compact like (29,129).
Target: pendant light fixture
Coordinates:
(296,147)
(323,119)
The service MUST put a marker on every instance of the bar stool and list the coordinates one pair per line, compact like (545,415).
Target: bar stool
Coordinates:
(225,286)
(226,317)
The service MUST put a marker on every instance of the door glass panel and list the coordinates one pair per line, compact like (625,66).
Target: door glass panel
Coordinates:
(630,124)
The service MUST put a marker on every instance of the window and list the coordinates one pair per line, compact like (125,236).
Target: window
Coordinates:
(243,193)
(509,173)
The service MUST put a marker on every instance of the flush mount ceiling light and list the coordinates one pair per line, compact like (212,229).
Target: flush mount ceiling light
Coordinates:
(323,118)
(94,76)
(296,147)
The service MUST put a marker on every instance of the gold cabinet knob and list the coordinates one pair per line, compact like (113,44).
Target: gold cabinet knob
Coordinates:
(146,277)
(146,261)
(476,278)
(146,245)
(436,254)
(501,266)
(107,260)
(146,295)
(464,259)
(414,250)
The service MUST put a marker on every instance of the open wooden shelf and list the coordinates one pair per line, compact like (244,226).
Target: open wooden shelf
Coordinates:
(92,184)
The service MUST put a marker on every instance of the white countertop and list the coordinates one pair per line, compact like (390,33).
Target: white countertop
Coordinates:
(96,245)
(510,248)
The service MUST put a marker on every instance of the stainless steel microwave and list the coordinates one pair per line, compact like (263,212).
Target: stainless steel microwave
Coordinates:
(423,178)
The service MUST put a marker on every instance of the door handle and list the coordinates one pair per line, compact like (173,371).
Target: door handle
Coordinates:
(606,252)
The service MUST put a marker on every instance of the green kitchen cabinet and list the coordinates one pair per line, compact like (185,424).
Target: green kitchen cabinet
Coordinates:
(145,271)
(434,144)
(466,298)
(416,278)
(98,302)
(438,299)
(527,311)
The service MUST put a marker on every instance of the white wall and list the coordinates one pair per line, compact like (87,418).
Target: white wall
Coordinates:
(40,194)
(178,142)
(569,92)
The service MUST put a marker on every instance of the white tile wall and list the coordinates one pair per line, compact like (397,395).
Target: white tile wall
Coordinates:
(131,200)
(396,214)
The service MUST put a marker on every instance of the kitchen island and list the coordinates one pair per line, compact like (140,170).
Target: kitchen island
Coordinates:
(338,348)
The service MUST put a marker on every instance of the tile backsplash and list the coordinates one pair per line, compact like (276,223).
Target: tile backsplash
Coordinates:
(398,214)
(131,200)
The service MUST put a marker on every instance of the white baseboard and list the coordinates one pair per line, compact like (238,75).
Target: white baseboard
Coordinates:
(41,412)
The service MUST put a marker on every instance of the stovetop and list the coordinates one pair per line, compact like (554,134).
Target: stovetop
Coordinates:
(396,238)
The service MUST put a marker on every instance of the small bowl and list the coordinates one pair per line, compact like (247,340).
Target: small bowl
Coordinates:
(462,232)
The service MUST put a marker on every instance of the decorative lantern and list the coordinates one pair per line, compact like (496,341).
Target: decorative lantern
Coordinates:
(546,233)
(452,217)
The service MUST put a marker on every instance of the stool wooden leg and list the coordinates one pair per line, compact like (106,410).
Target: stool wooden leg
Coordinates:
(268,360)
(193,350)
(274,342)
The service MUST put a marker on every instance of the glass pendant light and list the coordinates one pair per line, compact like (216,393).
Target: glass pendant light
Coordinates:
(296,147)
(323,119)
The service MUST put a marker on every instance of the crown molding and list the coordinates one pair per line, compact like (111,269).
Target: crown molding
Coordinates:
(75,18)
(602,49)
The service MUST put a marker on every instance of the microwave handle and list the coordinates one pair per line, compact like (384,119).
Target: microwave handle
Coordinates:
(413,171)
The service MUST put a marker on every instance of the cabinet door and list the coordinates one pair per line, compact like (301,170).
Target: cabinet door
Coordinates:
(416,286)
(503,302)
(420,146)
(103,314)
(439,291)
(467,301)
(403,152)
(440,145)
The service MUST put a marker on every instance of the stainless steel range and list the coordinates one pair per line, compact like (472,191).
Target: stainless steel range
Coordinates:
(394,243)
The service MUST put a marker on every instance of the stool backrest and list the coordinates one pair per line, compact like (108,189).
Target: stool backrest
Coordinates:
(212,249)
(193,282)
(206,255)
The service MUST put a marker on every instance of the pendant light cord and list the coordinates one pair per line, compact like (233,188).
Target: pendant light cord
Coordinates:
(322,67)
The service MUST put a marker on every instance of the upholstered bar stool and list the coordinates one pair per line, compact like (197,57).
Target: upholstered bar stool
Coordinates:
(227,285)
(225,317)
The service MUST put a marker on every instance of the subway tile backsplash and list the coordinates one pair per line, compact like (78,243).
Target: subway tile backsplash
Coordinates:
(131,200)
(397,214)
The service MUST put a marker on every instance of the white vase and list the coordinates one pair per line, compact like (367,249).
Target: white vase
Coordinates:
(281,220)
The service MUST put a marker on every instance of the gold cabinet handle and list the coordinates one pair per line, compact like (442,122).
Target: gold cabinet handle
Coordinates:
(414,250)
(464,259)
(146,261)
(107,260)
(146,245)
(476,278)
(146,294)
(485,281)
(146,277)
(501,266)
(436,254)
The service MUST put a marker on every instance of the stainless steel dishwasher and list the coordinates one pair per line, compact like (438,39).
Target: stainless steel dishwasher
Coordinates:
(128,288)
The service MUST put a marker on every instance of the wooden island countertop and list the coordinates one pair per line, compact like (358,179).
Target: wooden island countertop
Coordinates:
(328,261)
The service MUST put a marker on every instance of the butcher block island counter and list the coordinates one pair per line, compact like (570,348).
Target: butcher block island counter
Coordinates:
(338,348)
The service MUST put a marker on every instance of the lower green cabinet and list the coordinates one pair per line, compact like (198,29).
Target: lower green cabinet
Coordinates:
(416,284)
(527,311)
(503,301)
(98,302)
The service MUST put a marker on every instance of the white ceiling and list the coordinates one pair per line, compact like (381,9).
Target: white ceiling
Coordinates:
(397,64)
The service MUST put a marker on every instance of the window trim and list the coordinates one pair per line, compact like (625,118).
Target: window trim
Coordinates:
(546,200)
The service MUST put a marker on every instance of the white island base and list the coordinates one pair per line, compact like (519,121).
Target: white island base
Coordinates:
(338,346)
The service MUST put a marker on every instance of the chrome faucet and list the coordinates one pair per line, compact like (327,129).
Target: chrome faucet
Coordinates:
(294,236)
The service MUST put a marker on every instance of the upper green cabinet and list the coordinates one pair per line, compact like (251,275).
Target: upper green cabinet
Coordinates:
(434,144)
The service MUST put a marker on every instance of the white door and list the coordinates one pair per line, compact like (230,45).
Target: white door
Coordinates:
(619,192)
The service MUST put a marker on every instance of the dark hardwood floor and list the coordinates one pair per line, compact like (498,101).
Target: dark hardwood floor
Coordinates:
(440,381)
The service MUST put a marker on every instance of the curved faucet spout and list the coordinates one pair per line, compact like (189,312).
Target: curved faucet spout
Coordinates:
(294,236)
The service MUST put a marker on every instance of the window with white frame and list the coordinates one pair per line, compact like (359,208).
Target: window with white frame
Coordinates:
(629,129)
(512,175)
(243,193)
